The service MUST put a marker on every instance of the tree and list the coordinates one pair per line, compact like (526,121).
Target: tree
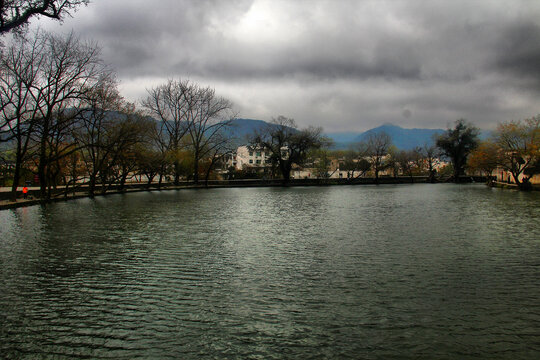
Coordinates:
(188,111)
(430,154)
(418,161)
(457,143)
(485,158)
(376,146)
(322,163)
(211,115)
(70,70)
(16,13)
(519,144)
(148,162)
(405,160)
(174,105)
(355,162)
(43,82)
(124,135)
(103,106)
(219,147)
(152,155)
(533,168)
(20,66)
(288,145)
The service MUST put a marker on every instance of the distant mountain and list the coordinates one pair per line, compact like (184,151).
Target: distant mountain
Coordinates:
(404,139)
(343,139)
(242,130)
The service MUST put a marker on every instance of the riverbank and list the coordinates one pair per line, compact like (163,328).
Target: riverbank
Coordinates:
(512,186)
(81,192)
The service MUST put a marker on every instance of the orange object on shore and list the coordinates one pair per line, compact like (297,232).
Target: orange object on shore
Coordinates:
(25,190)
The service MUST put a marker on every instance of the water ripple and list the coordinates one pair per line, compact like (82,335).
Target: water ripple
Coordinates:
(425,271)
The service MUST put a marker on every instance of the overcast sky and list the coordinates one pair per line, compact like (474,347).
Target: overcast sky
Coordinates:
(344,65)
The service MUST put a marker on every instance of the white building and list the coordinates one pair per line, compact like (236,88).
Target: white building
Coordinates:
(249,156)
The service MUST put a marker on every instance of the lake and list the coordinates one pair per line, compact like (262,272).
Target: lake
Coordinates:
(375,272)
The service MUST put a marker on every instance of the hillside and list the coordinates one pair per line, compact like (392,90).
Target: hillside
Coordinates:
(404,139)
(242,129)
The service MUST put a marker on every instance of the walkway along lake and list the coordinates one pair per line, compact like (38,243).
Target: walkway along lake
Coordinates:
(408,271)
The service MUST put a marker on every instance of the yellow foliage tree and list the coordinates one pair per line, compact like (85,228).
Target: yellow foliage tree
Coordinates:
(519,146)
(485,158)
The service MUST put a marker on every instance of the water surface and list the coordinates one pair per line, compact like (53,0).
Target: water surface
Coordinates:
(376,272)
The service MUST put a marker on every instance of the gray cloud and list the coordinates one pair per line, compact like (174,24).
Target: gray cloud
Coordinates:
(519,50)
(345,65)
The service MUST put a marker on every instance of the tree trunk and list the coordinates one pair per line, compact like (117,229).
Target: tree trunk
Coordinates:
(521,185)
(16,179)
(207,174)
(123,181)
(285,172)
(431,177)
(150,179)
(92,185)
(196,169)
(41,175)
(457,171)
(176,173)
(43,159)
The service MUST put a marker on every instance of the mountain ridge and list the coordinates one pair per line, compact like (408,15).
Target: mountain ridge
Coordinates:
(402,138)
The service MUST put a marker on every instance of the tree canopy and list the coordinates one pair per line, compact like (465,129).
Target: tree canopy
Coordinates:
(457,143)
(287,144)
(485,157)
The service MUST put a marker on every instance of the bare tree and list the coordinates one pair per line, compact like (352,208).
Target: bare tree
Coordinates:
(430,154)
(322,163)
(16,13)
(174,105)
(127,132)
(221,146)
(418,161)
(405,160)
(70,70)
(191,116)
(212,115)
(149,160)
(102,108)
(19,68)
(377,146)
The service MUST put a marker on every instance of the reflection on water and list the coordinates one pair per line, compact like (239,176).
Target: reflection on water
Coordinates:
(433,271)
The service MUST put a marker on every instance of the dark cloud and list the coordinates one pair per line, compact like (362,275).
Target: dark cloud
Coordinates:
(518,51)
(345,65)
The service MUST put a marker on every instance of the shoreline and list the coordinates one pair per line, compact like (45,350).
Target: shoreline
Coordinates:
(6,204)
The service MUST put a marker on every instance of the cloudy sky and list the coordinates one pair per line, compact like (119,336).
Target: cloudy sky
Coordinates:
(344,65)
